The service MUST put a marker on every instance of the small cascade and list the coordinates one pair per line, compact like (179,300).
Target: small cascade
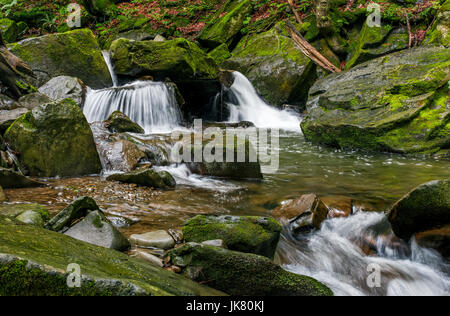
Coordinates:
(150,104)
(335,255)
(107,58)
(248,106)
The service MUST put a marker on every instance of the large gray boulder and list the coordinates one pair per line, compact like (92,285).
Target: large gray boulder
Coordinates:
(96,229)
(397,103)
(74,53)
(63,87)
(55,139)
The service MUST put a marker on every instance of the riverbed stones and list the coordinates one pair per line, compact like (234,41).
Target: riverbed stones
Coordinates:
(78,209)
(120,123)
(424,208)
(250,234)
(157,239)
(55,139)
(41,257)
(10,179)
(16,209)
(242,274)
(152,259)
(96,229)
(143,177)
(396,103)
(74,53)
(63,87)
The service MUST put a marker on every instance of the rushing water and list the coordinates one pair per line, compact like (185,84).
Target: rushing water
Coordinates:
(150,104)
(333,255)
(250,107)
(107,58)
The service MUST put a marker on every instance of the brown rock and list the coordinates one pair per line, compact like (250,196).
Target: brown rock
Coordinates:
(294,208)
(339,206)
(438,239)
(2,195)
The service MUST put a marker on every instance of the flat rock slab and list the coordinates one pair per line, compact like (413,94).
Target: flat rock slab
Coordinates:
(158,239)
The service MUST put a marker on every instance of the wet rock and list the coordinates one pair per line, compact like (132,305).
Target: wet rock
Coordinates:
(178,59)
(152,259)
(97,230)
(143,177)
(32,100)
(338,206)
(168,179)
(55,139)
(74,53)
(120,123)
(438,239)
(77,210)
(2,195)
(215,243)
(280,72)
(242,274)
(31,217)
(227,23)
(251,234)
(7,117)
(158,239)
(15,210)
(63,87)
(9,179)
(424,208)
(293,208)
(40,256)
(396,103)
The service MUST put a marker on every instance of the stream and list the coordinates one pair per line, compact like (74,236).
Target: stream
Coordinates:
(332,255)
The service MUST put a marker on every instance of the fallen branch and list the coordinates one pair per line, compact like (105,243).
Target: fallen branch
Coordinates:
(297,16)
(409,30)
(310,51)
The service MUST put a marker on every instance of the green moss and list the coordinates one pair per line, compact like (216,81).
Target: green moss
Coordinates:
(220,54)
(9,30)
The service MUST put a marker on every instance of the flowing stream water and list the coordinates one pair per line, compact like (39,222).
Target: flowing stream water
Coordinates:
(333,254)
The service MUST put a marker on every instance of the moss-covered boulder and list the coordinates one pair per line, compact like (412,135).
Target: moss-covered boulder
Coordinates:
(78,209)
(220,54)
(55,139)
(96,229)
(74,53)
(10,179)
(250,234)
(14,210)
(424,208)
(178,59)
(373,42)
(397,103)
(34,261)
(242,274)
(280,72)
(227,23)
(9,30)
(144,177)
(439,32)
(120,123)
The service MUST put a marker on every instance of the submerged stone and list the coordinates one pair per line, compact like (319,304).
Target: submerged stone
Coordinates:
(424,208)
(42,257)
(242,274)
(143,177)
(55,139)
(96,229)
(251,234)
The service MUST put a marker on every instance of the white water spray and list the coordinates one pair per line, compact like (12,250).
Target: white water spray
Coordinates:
(332,256)
(252,108)
(107,58)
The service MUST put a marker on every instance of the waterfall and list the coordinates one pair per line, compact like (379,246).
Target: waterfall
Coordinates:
(150,104)
(248,106)
(335,257)
(107,58)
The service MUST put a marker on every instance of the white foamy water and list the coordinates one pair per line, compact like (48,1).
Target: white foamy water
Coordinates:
(332,256)
(252,108)
(150,104)
(107,58)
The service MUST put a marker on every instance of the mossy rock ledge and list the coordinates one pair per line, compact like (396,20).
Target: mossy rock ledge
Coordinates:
(34,261)
(74,53)
(251,234)
(55,139)
(397,103)
(242,274)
